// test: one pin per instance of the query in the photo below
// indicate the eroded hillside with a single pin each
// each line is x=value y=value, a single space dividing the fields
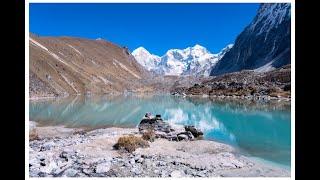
x=61 y=66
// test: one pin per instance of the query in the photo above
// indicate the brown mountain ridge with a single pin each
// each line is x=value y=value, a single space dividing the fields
x=61 y=66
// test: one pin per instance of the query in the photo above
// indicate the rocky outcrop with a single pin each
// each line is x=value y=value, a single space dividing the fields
x=164 y=130
x=265 y=44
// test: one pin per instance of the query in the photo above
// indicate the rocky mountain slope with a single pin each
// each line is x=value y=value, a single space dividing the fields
x=196 y=60
x=263 y=45
x=61 y=66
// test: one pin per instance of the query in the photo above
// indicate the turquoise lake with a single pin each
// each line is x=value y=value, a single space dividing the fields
x=260 y=130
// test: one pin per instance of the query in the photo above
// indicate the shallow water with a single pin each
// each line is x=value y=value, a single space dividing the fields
x=261 y=130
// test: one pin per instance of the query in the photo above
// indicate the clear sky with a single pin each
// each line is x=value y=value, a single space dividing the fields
x=157 y=27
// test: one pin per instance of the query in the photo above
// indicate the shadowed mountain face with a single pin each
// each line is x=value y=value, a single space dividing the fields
x=263 y=45
x=64 y=66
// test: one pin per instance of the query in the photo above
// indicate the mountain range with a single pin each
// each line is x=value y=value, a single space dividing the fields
x=262 y=46
x=196 y=60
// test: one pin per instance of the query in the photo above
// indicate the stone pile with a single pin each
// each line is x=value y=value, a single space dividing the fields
x=164 y=130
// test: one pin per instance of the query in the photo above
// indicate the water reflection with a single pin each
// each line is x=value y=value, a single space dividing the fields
x=259 y=129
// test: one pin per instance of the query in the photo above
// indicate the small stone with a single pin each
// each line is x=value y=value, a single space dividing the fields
x=87 y=171
x=132 y=161
x=177 y=173
x=137 y=157
x=228 y=165
x=156 y=171
x=127 y=164
x=162 y=163
x=42 y=174
x=63 y=155
x=47 y=146
x=136 y=171
x=147 y=163
x=140 y=160
x=164 y=173
x=103 y=167
x=70 y=172
x=188 y=171
x=201 y=174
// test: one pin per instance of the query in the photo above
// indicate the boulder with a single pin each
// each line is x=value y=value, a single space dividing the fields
x=195 y=132
x=183 y=137
x=187 y=135
x=155 y=124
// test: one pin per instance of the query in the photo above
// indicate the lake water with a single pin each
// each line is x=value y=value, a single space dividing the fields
x=260 y=130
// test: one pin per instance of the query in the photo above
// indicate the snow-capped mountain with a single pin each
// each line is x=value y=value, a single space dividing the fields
x=263 y=45
x=196 y=60
x=147 y=60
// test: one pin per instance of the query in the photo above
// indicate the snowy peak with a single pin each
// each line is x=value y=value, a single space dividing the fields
x=197 y=46
x=147 y=60
x=140 y=50
x=195 y=60
x=200 y=49
x=196 y=50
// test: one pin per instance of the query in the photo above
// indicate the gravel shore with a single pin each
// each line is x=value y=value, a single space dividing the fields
x=65 y=152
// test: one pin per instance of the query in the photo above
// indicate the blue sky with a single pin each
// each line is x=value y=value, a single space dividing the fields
x=157 y=27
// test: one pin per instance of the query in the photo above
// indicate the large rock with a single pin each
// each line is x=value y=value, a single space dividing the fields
x=155 y=123
x=195 y=132
x=185 y=136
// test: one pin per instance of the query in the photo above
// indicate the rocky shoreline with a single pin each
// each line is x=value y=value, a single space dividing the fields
x=236 y=97
x=246 y=84
x=64 y=152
